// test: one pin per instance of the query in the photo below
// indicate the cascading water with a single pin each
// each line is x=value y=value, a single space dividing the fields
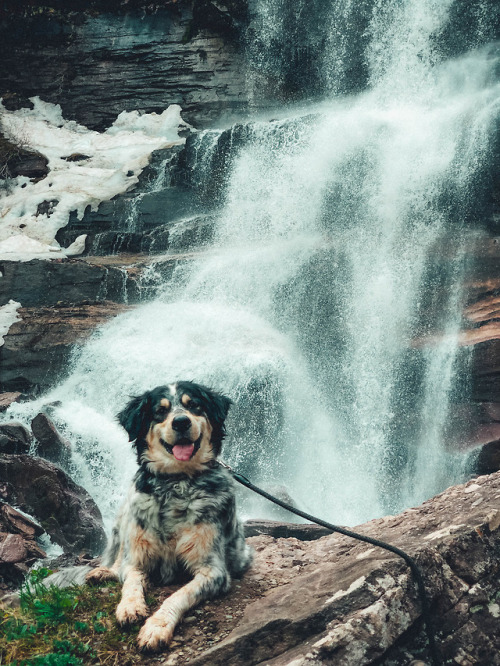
x=340 y=244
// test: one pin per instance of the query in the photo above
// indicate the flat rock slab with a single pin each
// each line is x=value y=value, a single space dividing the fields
x=6 y=399
x=337 y=601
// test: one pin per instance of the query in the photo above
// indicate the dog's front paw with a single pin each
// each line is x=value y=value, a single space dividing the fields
x=154 y=635
x=128 y=612
x=100 y=575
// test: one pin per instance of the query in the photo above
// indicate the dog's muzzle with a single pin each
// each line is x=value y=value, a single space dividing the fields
x=184 y=449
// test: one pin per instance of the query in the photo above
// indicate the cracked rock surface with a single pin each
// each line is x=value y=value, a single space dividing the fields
x=342 y=602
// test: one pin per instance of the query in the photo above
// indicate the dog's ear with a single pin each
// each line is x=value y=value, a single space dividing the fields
x=219 y=407
x=136 y=416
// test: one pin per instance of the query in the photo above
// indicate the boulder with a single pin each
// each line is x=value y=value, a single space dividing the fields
x=488 y=460
x=51 y=445
x=6 y=399
x=14 y=438
x=64 y=509
x=11 y=520
x=18 y=547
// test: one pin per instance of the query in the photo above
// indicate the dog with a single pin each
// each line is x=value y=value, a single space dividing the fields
x=179 y=517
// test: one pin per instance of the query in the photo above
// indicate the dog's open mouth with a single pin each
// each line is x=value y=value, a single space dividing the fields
x=184 y=449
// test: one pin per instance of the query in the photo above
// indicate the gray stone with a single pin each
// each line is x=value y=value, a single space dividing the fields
x=18 y=161
x=277 y=529
x=6 y=399
x=160 y=54
x=14 y=438
x=64 y=510
x=51 y=445
x=42 y=282
x=18 y=547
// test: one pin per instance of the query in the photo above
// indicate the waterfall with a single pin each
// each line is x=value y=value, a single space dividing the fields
x=339 y=248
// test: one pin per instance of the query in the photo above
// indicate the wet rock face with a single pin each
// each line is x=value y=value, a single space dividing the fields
x=65 y=510
x=63 y=302
x=160 y=53
x=50 y=444
x=62 y=281
x=18 y=547
x=37 y=348
x=14 y=438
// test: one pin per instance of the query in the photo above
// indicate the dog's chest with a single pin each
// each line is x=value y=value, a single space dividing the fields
x=171 y=507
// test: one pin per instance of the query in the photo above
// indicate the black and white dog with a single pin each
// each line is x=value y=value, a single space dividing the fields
x=179 y=516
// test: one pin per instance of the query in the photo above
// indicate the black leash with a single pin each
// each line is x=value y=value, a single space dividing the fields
x=417 y=574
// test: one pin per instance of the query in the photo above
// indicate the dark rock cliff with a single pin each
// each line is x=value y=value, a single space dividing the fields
x=97 y=59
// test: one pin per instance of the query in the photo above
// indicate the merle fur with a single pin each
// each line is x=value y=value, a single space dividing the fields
x=163 y=510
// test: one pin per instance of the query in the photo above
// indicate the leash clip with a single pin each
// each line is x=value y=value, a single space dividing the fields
x=228 y=467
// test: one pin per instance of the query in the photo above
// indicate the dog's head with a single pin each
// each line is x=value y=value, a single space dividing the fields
x=177 y=428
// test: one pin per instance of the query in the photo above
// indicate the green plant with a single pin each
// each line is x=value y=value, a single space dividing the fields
x=15 y=629
x=99 y=628
x=51 y=659
x=81 y=627
x=48 y=605
x=78 y=649
x=69 y=627
x=37 y=575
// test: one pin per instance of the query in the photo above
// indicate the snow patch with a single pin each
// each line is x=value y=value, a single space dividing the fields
x=107 y=163
x=8 y=315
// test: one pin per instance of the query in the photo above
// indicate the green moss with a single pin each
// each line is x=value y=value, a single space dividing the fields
x=68 y=627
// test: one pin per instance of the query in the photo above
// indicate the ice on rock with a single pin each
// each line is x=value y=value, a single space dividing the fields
x=114 y=160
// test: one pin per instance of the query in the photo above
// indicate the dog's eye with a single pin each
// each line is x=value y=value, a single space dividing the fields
x=194 y=407
x=161 y=413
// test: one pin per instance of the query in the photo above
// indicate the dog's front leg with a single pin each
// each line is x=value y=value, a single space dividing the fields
x=132 y=607
x=159 y=628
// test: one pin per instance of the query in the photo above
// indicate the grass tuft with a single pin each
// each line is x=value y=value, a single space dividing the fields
x=74 y=626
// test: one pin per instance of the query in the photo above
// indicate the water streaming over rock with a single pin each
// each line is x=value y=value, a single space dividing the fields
x=339 y=245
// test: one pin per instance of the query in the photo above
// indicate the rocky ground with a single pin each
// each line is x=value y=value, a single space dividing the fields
x=309 y=598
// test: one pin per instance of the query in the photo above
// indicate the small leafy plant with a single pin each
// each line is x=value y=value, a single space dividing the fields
x=73 y=626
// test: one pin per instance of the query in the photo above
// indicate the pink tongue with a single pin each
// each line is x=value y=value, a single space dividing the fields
x=183 y=451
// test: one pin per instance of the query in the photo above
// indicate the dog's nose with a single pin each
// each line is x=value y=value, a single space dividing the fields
x=181 y=423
